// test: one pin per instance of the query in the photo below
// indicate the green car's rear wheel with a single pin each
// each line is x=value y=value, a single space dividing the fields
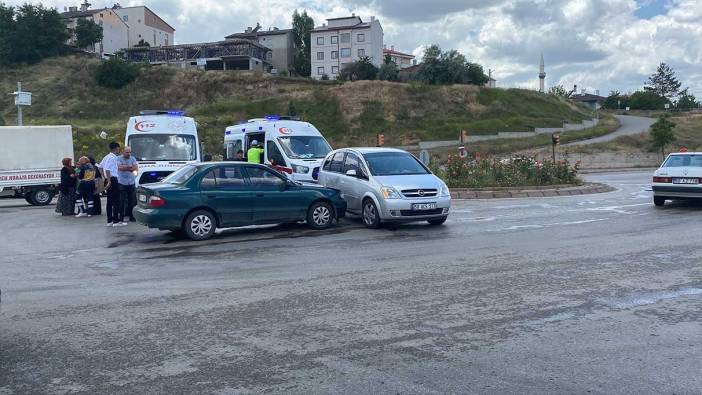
x=200 y=225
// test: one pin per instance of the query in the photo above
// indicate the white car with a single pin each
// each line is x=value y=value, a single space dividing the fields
x=678 y=178
x=386 y=185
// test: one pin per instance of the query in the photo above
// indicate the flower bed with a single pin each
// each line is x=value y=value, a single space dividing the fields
x=515 y=172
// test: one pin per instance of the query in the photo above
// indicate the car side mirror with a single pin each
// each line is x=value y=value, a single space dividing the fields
x=351 y=173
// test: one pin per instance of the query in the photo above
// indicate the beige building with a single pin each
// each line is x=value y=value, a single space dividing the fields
x=279 y=41
x=145 y=25
x=115 y=33
x=344 y=40
x=402 y=60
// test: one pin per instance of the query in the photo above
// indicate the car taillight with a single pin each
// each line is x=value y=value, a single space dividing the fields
x=156 y=201
x=663 y=180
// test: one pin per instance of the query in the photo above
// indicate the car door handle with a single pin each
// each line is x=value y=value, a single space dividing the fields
x=259 y=195
x=211 y=196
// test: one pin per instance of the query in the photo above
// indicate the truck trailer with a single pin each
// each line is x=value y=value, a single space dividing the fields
x=30 y=161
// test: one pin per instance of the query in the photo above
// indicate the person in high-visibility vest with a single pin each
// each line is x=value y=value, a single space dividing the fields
x=255 y=153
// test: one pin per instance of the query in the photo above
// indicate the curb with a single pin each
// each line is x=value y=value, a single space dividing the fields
x=553 y=191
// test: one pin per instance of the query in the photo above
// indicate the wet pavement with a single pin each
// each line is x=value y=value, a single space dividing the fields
x=598 y=293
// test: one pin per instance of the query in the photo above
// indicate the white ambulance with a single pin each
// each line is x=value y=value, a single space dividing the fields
x=162 y=142
x=290 y=146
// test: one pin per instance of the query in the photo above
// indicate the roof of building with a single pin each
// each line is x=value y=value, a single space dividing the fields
x=179 y=46
x=80 y=14
x=587 y=97
x=364 y=25
x=345 y=17
x=398 y=53
x=140 y=6
x=259 y=33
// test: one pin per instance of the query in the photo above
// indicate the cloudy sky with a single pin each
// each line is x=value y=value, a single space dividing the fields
x=596 y=44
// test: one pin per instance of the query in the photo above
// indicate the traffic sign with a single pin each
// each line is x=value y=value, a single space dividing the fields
x=462 y=152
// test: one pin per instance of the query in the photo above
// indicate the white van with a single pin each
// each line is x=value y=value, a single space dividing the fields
x=291 y=146
x=162 y=142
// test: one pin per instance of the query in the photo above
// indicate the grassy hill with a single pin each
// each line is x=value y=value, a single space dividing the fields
x=347 y=113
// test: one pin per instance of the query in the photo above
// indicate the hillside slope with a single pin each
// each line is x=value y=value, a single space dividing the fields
x=347 y=114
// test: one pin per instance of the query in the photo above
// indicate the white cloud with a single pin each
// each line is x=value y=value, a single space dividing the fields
x=597 y=44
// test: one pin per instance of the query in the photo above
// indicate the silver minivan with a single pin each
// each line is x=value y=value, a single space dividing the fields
x=386 y=185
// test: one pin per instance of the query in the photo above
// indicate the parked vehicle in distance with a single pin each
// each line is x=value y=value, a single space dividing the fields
x=386 y=185
x=162 y=142
x=291 y=146
x=199 y=198
x=30 y=161
x=678 y=178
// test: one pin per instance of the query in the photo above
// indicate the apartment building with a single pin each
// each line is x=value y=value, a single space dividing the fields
x=279 y=41
x=115 y=33
x=145 y=25
x=344 y=40
x=402 y=60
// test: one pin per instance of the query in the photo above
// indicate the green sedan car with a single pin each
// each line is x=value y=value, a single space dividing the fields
x=198 y=199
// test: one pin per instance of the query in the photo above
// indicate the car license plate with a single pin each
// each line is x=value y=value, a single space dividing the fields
x=423 y=206
x=686 y=180
x=142 y=198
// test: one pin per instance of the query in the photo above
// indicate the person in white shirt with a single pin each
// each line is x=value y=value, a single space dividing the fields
x=109 y=167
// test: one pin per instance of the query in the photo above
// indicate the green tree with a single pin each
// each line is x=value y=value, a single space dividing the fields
x=88 y=33
x=686 y=100
x=142 y=43
x=362 y=69
x=302 y=26
x=664 y=82
x=388 y=70
x=662 y=133
x=616 y=100
x=449 y=67
x=38 y=33
x=115 y=73
x=647 y=100
x=7 y=32
x=560 y=91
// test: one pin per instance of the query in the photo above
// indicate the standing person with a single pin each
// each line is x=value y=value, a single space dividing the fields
x=86 y=187
x=109 y=168
x=127 y=168
x=255 y=153
x=67 y=189
x=99 y=187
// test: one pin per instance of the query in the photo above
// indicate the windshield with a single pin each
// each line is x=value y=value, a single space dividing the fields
x=181 y=175
x=683 y=161
x=180 y=147
x=305 y=147
x=393 y=164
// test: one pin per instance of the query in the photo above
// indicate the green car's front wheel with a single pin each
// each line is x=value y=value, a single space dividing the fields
x=320 y=215
x=200 y=225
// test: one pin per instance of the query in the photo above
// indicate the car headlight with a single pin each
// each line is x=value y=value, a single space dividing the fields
x=390 y=193
x=301 y=169
x=445 y=191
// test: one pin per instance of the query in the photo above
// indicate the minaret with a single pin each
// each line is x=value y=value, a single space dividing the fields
x=542 y=75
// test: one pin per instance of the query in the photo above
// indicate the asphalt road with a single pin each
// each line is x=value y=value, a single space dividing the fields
x=629 y=125
x=587 y=294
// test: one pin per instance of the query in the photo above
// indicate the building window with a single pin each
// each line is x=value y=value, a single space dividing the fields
x=345 y=38
x=320 y=55
x=345 y=52
x=320 y=40
x=334 y=39
x=125 y=18
x=335 y=55
x=101 y=17
x=335 y=69
x=361 y=38
x=361 y=52
x=320 y=70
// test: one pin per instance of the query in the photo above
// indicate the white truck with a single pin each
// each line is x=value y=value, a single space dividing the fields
x=30 y=161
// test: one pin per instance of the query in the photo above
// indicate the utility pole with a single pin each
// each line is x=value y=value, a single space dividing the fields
x=19 y=107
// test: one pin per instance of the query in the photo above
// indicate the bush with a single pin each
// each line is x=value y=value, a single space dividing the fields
x=515 y=172
x=116 y=73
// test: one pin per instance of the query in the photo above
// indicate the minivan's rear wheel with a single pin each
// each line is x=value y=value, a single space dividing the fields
x=370 y=214
x=320 y=215
x=200 y=225
x=40 y=197
x=659 y=201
